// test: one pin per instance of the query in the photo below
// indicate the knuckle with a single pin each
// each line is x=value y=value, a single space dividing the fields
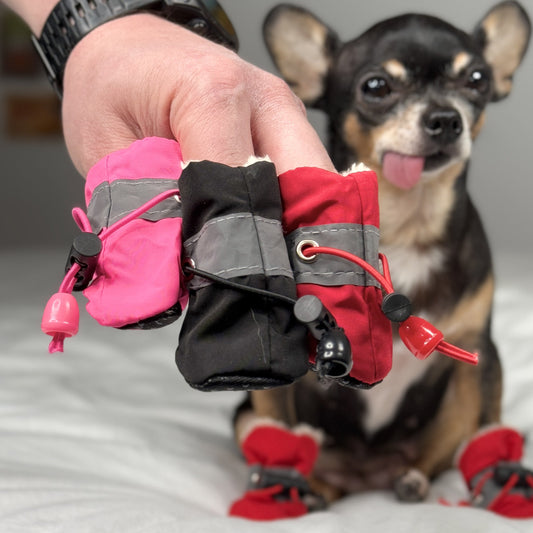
x=221 y=81
x=277 y=94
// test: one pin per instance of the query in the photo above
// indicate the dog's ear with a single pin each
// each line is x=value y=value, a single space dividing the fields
x=504 y=36
x=301 y=47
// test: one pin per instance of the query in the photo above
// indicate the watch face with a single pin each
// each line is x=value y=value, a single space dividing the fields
x=205 y=17
x=222 y=21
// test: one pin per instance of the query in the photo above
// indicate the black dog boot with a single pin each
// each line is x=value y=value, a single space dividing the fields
x=234 y=339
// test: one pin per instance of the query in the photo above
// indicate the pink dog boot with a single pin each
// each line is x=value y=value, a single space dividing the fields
x=280 y=461
x=490 y=464
x=127 y=259
x=138 y=281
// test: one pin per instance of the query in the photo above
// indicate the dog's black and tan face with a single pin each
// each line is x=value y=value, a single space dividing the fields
x=408 y=96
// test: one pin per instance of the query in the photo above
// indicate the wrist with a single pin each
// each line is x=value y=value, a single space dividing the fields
x=71 y=21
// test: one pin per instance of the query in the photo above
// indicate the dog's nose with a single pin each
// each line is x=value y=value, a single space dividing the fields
x=443 y=124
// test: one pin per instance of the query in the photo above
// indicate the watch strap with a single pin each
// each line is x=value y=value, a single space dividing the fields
x=71 y=20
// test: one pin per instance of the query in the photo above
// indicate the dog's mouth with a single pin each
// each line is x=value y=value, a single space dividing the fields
x=405 y=171
x=435 y=161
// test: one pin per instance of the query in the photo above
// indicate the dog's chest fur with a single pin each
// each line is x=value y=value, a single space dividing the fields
x=413 y=268
x=412 y=221
x=382 y=402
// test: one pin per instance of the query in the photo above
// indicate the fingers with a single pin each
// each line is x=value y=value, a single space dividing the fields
x=214 y=123
x=218 y=106
x=214 y=139
x=249 y=113
x=93 y=139
x=280 y=129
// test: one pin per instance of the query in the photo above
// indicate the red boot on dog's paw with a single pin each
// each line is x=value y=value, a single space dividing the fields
x=280 y=461
x=271 y=503
x=491 y=467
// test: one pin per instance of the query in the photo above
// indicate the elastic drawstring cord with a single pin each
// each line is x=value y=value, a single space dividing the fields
x=383 y=279
x=418 y=335
x=106 y=232
x=61 y=315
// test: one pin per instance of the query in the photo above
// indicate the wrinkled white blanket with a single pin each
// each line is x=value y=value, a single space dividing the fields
x=108 y=438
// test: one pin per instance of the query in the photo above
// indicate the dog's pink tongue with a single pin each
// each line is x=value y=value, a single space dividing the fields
x=404 y=171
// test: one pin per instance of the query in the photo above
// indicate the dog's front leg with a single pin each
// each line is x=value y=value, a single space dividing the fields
x=456 y=421
x=473 y=396
x=277 y=404
x=270 y=406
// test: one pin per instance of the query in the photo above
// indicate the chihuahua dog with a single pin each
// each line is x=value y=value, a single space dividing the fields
x=407 y=98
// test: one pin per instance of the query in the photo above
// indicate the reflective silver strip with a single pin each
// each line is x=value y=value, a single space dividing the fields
x=240 y=244
x=329 y=270
x=112 y=201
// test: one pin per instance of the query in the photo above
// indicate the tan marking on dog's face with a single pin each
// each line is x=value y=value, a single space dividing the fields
x=416 y=217
x=460 y=62
x=402 y=133
x=478 y=125
x=469 y=317
x=395 y=69
x=362 y=142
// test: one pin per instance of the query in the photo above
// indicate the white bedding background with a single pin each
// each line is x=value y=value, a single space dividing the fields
x=108 y=437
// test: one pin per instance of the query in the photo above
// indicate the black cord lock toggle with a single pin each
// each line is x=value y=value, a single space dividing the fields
x=396 y=307
x=505 y=470
x=333 y=352
x=287 y=479
x=85 y=251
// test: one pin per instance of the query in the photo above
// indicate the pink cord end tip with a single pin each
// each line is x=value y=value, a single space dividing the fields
x=57 y=343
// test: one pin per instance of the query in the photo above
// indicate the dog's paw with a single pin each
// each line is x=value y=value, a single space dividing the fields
x=413 y=486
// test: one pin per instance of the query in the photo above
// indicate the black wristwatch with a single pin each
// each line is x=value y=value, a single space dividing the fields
x=71 y=20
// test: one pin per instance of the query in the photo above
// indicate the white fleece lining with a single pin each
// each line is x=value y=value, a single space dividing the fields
x=356 y=167
x=249 y=162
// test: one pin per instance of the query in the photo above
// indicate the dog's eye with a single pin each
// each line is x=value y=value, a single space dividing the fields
x=376 y=88
x=478 y=81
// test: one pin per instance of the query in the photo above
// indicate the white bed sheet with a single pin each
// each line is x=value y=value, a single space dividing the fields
x=108 y=437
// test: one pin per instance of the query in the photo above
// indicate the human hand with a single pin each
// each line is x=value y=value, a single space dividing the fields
x=142 y=76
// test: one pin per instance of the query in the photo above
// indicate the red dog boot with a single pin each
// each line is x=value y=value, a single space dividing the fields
x=491 y=467
x=324 y=209
x=280 y=461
